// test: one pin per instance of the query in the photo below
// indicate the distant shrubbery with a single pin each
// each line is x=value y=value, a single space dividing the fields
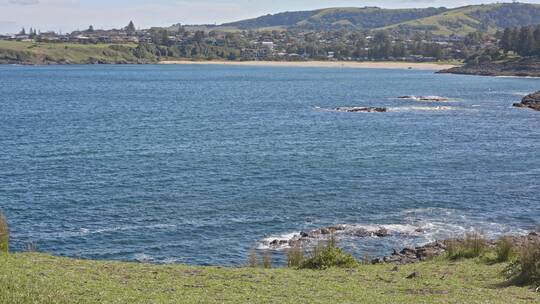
x=253 y=259
x=523 y=259
x=328 y=256
x=4 y=234
x=472 y=246
x=526 y=269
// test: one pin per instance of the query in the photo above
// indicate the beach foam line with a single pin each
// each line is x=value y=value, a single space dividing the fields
x=421 y=109
x=321 y=64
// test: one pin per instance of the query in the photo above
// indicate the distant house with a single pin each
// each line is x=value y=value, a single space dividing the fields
x=269 y=45
x=49 y=36
x=22 y=37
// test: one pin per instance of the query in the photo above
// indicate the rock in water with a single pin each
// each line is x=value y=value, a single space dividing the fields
x=360 y=109
x=531 y=101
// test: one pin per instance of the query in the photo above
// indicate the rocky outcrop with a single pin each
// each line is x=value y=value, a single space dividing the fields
x=531 y=101
x=360 y=109
x=421 y=253
x=413 y=254
x=522 y=68
x=312 y=237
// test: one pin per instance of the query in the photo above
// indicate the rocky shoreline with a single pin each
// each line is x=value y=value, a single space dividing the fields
x=422 y=253
x=531 y=101
x=521 y=68
x=406 y=255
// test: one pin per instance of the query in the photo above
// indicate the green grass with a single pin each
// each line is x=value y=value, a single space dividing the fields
x=40 y=278
x=39 y=53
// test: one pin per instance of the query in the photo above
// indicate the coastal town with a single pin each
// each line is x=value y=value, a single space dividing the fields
x=343 y=45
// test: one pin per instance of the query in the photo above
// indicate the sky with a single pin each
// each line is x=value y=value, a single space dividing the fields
x=69 y=15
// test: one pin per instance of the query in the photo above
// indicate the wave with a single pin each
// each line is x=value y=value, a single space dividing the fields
x=86 y=231
x=420 y=227
x=401 y=109
x=426 y=98
x=143 y=258
x=421 y=109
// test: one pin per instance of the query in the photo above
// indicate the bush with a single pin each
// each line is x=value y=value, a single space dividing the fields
x=329 y=255
x=4 y=234
x=267 y=259
x=504 y=250
x=295 y=256
x=526 y=270
x=253 y=260
x=472 y=246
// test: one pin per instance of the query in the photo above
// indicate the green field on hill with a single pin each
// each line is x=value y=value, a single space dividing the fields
x=69 y=53
x=40 y=278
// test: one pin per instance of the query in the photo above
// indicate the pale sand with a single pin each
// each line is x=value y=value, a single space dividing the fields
x=325 y=64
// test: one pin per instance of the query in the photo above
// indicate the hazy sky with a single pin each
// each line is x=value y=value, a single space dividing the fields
x=68 y=15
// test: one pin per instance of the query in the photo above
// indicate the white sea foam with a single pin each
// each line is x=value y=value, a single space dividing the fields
x=426 y=98
x=421 y=109
x=143 y=258
x=422 y=226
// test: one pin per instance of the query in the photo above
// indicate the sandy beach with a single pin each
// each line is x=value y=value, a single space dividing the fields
x=325 y=64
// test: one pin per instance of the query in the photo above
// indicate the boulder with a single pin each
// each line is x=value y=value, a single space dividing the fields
x=531 y=101
x=382 y=232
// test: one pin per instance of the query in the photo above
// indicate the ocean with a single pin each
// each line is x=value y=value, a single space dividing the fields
x=198 y=164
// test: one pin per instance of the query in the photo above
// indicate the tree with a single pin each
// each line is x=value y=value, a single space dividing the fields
x=22 y=32
x=90 y=29
x=506 y=41
x=130 y=28
x=537 y=41
x=383 y=45
x=526 y=41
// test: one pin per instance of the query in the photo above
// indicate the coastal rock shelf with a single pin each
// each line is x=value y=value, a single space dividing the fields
x=307 y=238
x=531 y=101
x=422 y=253
x=520 y=68
x=361 y=109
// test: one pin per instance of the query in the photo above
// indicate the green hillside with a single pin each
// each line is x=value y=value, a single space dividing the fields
x=485 y=18
x=39 y=278
x=68 y=53
x=366 y=17
x=439 y=21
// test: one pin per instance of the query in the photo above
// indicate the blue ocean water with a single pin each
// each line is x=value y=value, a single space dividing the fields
x=197 y=164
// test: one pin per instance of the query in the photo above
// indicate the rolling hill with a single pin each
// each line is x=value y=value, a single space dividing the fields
x=439 y=21
x=366 y=17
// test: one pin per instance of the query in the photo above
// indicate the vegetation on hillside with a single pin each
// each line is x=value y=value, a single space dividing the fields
x=332 y=18
x=38 y=278
x=438 y=21
x=68 y=53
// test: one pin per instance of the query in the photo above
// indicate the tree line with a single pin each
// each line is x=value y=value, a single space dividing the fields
x=524 y=41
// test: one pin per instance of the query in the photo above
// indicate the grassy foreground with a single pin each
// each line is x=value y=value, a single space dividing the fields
x=40 y=278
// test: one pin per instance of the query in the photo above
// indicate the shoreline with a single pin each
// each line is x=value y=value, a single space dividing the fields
x=321 y=64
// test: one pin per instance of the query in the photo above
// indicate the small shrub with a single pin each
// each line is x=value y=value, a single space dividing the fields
x=366 y=260
x=267 y=259
x=32 y=247
x=295 y=256
x=526 y=269
x=472 y=246
x=4 y=234
x=329 y=255
x=504 y=250
x=253 y=260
